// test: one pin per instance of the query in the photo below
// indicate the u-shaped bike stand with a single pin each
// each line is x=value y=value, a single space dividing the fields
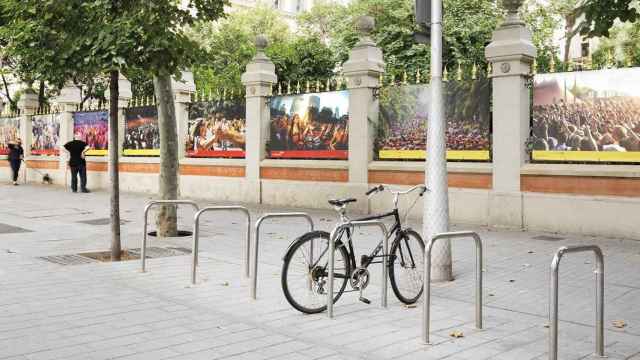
x=426 y=320
x=256 y=242
x=553 y=300
x=196 y=236
x=332 y=245
x=143 y=248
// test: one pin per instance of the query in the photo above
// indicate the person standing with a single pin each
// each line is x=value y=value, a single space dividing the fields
x=77 y=150
x=16 y=155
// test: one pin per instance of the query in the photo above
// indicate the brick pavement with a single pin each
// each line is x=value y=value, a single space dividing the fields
x=112 y=311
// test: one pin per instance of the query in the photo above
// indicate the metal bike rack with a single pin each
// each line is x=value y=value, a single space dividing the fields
x=553 y=301
x=426 y=319
x=196 y=236
x=143 y=248
x=256 y=242
x=332 y=245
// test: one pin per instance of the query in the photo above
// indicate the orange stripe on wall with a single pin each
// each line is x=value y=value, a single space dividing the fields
x=43 y=164
x=200 y=170
x=459 y=180
x=96 y=166
x=139 y=168
x=581 y=185
x=303 y=174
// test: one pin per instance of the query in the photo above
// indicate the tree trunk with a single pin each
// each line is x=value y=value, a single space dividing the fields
x=167 y=221
x=569 y=34
x=114 y=177
x=41 y=99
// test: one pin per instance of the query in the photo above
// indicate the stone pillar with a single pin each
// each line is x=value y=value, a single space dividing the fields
x=362 y=70
x=67 y=103
x=182 y=90
x=28 y=106
x=511 y=53
x=258 y=80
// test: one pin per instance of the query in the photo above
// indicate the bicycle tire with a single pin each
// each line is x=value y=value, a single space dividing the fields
x=341 y=254
x=395 y=260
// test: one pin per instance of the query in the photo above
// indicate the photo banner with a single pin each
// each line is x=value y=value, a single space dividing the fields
x=587 y=116
x=45 y=130
x=9 y=131
x=142 y=132
x=217 y=129
x=309 y=126
x=404 y=112
x=92 y=128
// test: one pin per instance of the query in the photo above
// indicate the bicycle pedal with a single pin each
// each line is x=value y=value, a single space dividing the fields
x=365 y=300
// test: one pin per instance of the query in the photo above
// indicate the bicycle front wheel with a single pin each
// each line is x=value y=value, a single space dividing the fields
x=406 y=266
x=305 y=272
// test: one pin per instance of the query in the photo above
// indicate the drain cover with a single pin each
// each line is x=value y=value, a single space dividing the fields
x=158 y=252
x=8 y=229
x=547 y=238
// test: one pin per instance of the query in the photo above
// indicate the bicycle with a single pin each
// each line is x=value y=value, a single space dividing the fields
x=304 y=275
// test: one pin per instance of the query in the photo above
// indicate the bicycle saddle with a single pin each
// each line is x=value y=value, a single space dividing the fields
x=341 y=202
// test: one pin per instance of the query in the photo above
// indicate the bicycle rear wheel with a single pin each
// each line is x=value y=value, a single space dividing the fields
x=305 y=279
x=406 y=266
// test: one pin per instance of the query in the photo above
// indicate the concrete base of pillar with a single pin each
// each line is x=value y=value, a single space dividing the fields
x=505 y=210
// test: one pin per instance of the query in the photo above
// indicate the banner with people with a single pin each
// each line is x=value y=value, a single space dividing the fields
x=9 y=131
x=142 y=132
x=404 y=112
x=217 y=129
x=587 y=116
x=45 y=131
x=309 y=126
x=92 y=128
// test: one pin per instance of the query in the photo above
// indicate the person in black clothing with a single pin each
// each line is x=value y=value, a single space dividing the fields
x=16 y=155
x=77 y=150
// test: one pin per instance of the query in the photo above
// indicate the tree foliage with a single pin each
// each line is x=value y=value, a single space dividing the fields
x=230 y=47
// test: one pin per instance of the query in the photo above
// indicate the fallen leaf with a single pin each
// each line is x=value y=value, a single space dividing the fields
x=530 y=252
x=226 y=283
x=457 y=334
x=511 y=280
x=546 y=325
x=619 y=324
x=490 y=294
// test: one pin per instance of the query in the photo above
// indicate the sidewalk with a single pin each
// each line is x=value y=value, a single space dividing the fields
x=113 y=311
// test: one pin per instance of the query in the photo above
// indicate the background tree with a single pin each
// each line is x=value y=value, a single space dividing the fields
x=230 y=46
x=61 y=40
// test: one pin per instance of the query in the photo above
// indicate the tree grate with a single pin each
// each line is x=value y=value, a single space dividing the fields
x=547 y=238
x=104 y=256
x=9 y=229
x=101 y=221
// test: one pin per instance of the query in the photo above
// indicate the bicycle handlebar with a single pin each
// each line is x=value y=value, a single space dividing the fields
x=397 y=192
x=375 y=189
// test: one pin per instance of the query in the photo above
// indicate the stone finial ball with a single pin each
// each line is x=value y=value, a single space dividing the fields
x=261 y=42
x=365 y=24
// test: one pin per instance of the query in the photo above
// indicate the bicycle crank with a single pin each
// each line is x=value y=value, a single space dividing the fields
x=359 y=280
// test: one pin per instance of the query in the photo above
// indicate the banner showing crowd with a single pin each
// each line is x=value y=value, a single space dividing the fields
x=404 y=110
x=309 y=126
x=587 y=116
x=142 y=133
x=9 y=131
x=91 y=127
x=45 y=130
x=217 y=129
